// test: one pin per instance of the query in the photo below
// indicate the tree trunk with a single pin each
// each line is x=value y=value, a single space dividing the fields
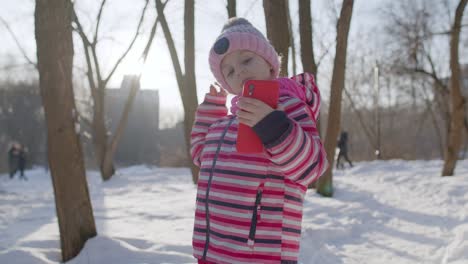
x=306 y=37
x=55 y=62
x=291 y=42
x=458 y=102
x=100 y=139
x=307 y=45
x=107 y=165
x=276 y=17
x=190 y=88
x=325 y=184
x=231 y=8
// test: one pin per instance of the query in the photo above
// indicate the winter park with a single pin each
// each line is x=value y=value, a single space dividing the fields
x=202 y=132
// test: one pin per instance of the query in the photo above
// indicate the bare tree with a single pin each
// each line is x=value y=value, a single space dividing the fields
x=325 y=184
x=276 y=17
x=55 y=62
x=412 y=27
x=105 y=148
x=306 y=36
x=370 y=135
x=231 y=8
x=415 y=26
x=186 y=82
x=307 y=44
x=291 y=41
x=457 y=100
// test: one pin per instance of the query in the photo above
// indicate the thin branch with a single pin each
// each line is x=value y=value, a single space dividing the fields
x=152 y=35
x=369 y=133
x=446 y=32
x=96 y=65
x=13 y=66
x=131 y=44
x=250 y=8
x=323 y=55
x=172 y=49
x=22 y=50
x=86 y=46
x=98 y=21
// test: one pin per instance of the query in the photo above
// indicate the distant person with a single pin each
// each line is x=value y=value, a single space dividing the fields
x=249 y=205
x=13 y=159
x=343 y=153
x=22 y=162
x=17 y=160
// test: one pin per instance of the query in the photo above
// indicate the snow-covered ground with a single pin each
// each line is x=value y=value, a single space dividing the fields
x=382 y=212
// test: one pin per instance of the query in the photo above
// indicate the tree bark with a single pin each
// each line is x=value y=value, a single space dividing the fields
x=276 y=17
x=307 y=45
x=291 y=41
x=190 y=88
x=55 y=62
x=458 y=102
x=306 y=37
x=231 y=8
x=325 y=184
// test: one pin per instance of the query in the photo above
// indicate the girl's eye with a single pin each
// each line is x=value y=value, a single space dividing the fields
x=247 y=61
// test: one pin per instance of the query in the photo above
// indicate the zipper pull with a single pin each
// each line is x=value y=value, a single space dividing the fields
x=250 y=243
x=259 y=207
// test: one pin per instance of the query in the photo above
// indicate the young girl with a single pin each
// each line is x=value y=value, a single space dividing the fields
x=249 y=206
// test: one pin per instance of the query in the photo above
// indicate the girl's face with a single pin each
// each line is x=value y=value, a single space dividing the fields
x=242 y=65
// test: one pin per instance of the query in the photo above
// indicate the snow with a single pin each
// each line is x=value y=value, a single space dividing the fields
x=382 y=212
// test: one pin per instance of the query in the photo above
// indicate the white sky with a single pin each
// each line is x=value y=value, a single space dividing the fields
x=120 y=18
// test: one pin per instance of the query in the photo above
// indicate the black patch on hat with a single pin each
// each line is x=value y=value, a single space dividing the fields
x=221 y=46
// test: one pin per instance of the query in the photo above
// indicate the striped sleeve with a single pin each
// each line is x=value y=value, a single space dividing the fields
x=299 y=151
x=212 y=109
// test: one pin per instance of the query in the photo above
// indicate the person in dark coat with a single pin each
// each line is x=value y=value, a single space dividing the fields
x=17 y=160
x=13 y=159
x=343 y=146
x=22 y=162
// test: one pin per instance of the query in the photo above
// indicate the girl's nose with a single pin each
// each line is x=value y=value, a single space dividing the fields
x=241 y=71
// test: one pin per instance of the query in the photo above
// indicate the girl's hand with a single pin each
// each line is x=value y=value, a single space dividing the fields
x=251 y=111
x=214 y=90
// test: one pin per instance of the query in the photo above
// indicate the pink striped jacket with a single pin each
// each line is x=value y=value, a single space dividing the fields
x=249 y=206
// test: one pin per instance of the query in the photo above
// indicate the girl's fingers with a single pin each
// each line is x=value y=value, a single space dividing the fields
x=244 y=114
x=245 y=121
x=223 y=92
x=214 y=88
x=247 y=105
x=251 y=101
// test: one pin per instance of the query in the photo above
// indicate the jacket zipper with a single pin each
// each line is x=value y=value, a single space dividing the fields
x=255 y=216
x=207 y=212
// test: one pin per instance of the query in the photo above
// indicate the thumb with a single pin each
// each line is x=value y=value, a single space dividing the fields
x=223 y=92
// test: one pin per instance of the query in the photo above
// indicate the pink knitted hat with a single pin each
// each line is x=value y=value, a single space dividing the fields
x=239 y=34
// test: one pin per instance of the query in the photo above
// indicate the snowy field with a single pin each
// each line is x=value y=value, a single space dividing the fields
x=382 y=212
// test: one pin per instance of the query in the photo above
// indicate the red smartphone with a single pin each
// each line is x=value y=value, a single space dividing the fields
x=263 y=90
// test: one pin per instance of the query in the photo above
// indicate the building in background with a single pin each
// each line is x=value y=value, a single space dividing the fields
x=140 y=141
